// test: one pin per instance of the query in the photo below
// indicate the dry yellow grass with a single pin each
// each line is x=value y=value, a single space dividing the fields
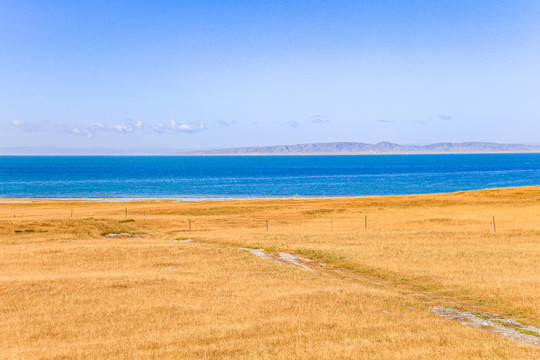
x=67 y=292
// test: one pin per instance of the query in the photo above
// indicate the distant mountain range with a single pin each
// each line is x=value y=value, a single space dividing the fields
x=359 y=148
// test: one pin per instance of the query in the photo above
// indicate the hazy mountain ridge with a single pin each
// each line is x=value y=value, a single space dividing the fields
x=342 y=148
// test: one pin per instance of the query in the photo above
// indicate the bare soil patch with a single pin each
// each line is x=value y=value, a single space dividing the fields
x=121 y=235
x=494 y=323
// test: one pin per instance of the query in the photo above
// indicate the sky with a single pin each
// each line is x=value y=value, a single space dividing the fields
x=213 y=74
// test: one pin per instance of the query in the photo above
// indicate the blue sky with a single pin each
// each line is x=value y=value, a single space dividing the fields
x=201 y=74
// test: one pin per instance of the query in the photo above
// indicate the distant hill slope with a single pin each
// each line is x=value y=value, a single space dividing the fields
x=352 y=148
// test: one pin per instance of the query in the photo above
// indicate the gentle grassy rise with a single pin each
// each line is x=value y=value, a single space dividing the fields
x=68 y=292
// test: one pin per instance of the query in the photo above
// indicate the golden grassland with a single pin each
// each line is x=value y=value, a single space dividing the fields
x=67 y=292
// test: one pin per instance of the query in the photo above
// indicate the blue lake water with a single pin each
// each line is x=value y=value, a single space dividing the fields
x=261 y=176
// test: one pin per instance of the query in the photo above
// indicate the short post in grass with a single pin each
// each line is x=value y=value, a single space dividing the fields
x=331 y=224
x=189 y=224
x=125 y=213
x=494 y=228
x=71 y=212
x=266 y=225
x=144 y=215
x=365 y=221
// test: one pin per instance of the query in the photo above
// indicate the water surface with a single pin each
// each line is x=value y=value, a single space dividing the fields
x=261 y=176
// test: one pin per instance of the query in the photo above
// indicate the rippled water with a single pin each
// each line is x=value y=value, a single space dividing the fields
x=261 y=176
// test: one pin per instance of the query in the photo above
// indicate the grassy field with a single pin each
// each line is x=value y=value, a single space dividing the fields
x=66 y=291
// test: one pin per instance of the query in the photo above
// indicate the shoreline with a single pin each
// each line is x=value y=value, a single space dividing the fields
x=239 y=198
x=274 y=154
x=358 y=154
x=179 y=198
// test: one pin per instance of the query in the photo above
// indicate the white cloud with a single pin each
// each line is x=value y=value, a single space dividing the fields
x=319 y=119
x=121 y=128
x=294 y=124
x=91 y=130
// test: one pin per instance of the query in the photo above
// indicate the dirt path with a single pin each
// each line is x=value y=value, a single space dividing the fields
x=295 y=260
x=490 y=322
x=493 y=323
